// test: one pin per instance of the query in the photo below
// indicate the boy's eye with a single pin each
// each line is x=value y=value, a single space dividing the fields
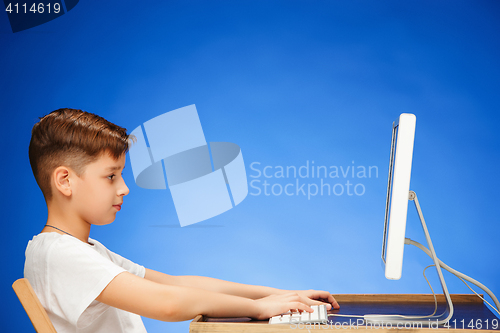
x=110 y=177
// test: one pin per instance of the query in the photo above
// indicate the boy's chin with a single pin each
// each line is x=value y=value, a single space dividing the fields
x=104 y=222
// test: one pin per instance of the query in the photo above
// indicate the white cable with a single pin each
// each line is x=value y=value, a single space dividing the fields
x=481 y=297
x=433 y=293
x=344 y=315
x=458 y=274
x=401 y=316
x=461 y=276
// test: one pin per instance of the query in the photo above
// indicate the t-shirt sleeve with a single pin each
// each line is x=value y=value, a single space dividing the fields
x=77 y=274
x=125 y=263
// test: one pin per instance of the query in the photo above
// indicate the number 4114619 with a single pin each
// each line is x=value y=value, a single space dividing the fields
x=473 y=324
x=35 y=8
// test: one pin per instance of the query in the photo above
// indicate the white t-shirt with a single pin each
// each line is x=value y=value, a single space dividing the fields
x=67 y=275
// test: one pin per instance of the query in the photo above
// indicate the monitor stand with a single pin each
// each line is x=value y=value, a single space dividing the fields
x=424 y=321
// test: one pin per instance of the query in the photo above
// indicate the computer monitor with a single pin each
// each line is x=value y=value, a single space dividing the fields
x=394 y=238
x=398 y=187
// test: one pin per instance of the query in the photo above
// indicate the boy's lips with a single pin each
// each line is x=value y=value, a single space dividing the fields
x=118 y=207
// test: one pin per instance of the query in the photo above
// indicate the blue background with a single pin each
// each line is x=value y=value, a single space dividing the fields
x=290 y=82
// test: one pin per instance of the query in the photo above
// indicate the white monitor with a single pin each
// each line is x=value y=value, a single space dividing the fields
x=398 y=187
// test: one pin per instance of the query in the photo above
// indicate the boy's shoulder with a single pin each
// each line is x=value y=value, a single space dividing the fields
x=48 y=253
x=51 y=250
x=67 y=275
x=52 y=241
x=46 y=242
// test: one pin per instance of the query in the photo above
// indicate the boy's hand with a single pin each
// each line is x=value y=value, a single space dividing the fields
x=274 y=305
x=316 y=297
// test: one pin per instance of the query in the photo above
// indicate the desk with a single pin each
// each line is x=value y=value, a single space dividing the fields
x=470 y=312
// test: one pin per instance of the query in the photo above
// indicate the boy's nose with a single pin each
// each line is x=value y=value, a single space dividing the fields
x=123 y=189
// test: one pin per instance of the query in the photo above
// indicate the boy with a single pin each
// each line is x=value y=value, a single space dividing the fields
x=77 y=159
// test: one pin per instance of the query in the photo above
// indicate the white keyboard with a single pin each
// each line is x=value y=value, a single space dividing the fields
x=318 y=316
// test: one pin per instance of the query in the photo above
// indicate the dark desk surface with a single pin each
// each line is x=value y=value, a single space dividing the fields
x=469 y=313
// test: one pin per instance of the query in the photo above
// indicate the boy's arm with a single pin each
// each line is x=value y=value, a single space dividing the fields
x=176 y=303
x=216 y=285
x=236 y=289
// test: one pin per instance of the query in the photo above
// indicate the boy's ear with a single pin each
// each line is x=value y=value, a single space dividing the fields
x=61 y=180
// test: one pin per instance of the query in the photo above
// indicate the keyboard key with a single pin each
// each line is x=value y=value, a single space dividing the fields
x=318 y=316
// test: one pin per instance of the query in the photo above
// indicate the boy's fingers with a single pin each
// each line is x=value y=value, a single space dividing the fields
x=328 y=305
x=311 y=297
x=334 y=302
x=300 y=306
x=324 y=295
x=301 y=300
x=296 y=297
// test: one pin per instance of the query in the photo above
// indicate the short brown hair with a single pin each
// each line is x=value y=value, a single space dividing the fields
x=72 y=138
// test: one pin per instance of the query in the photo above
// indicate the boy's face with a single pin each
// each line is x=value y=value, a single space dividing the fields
x=98 y=193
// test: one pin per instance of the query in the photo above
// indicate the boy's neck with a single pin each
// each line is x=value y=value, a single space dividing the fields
x=68 y=224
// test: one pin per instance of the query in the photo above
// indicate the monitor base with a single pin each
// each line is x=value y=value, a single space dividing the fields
x=426 y=321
